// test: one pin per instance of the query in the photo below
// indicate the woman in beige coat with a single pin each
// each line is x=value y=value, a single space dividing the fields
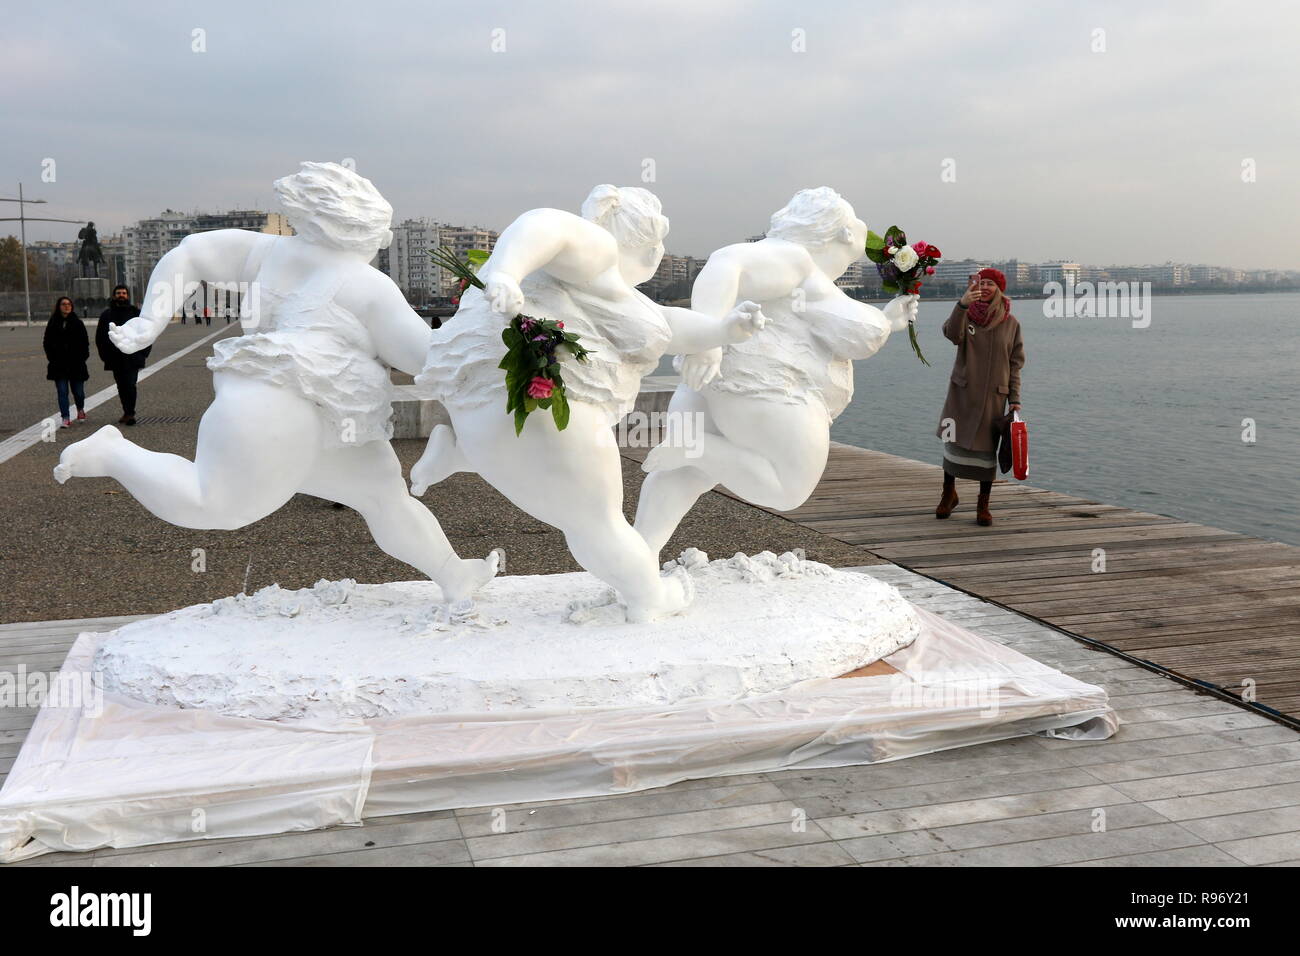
x=985 y=380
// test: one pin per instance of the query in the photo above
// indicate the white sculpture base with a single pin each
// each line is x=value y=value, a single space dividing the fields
x=114 y=771
x=343 y=650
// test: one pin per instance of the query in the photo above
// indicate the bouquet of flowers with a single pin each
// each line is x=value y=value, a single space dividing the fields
x=533 y=378
x=901 y=266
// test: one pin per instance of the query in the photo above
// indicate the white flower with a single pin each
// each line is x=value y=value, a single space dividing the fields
x=905 y=258
x=891 y=250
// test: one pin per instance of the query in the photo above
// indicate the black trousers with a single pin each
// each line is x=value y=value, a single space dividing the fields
x=126 y=390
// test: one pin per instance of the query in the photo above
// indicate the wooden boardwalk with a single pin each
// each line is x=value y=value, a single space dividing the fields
x=1216 y=607
x=1189 y=780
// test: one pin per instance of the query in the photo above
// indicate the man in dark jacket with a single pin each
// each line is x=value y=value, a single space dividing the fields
x=125 y=368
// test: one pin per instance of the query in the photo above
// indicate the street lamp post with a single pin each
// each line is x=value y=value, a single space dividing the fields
x=22 y=219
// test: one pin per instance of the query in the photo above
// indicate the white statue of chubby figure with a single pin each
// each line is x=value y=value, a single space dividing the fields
x=582 y=270
x=764 y=406
x=303 y=398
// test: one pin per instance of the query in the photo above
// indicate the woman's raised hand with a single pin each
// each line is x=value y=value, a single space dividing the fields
x=503 y=295
x=972 y=292
x=744 y=320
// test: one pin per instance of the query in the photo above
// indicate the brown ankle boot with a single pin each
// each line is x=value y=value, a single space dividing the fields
x=982 y=514
x=947 y=502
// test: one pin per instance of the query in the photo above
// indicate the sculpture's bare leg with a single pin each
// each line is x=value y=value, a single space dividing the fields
x=256 y=444
x=572 y=480
x=442 y=457
x=767 y=453
x=368 y=479
x=667 y=496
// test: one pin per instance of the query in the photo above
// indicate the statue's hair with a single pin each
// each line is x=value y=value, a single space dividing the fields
x=332 y=205
x=632 y=214
x=813 y=217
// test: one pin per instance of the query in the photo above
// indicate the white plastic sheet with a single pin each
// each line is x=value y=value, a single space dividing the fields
x=136 y=774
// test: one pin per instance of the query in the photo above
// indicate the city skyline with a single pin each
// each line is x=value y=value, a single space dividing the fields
x=1096 y=135
x=460 y=243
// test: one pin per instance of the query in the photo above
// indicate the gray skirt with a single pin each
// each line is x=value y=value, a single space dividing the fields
x=971 y=465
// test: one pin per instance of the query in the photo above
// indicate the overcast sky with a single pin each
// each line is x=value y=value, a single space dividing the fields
x=1130 y=155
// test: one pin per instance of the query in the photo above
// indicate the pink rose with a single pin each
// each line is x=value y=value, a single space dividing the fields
x=540 y=387
x=920 y=247
x=929 y=270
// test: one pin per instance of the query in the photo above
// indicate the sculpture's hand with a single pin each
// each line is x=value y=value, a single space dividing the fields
x=744 y=320
x=901 y=310
x=503 y=295
x=701 y=368
x=133 y=335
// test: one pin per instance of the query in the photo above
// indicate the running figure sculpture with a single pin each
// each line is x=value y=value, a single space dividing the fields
x=765 y=405
x=582 y=271
x=303 y=398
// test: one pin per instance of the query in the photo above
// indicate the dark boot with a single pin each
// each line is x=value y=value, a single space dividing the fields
x=982 y=514
x=948 y=501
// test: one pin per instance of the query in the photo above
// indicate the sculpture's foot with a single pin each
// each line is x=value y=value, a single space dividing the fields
x=604 y=608
x=665 y=457
x=88 y=458
x=441 y=458
x=677 y=591
x=465 y=577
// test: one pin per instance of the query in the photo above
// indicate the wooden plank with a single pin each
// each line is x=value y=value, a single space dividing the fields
x=1211 y=604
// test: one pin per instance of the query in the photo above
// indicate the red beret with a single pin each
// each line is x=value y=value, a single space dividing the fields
x=996 y=275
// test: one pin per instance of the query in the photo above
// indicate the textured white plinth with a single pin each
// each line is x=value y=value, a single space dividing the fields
x=340 y=649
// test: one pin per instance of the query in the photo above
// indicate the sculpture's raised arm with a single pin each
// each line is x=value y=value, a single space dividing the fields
x=566 y=246
x=219 y=256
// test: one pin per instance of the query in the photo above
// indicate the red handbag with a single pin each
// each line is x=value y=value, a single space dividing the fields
x=1019 y=447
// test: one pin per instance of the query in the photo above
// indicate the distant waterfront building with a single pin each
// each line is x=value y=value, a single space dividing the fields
x=1066 y=273
x=956 y=270
x=149 y=240
x=674 y=276
x=1167 y=275
x=855 y=276
x=407 y=260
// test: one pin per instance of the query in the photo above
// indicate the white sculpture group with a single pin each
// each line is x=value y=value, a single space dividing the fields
x=303 y=397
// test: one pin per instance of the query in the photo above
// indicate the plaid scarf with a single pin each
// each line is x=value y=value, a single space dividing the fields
x=982 y=313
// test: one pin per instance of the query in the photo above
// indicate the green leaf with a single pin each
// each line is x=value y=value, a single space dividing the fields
x=874 y=241
x=876 y=255
x=477 y=257
x=560 y=408
x=521 y=416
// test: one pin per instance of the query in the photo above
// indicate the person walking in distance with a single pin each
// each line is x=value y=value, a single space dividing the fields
x=985 y=380
x=125 y=367
x=66 y=350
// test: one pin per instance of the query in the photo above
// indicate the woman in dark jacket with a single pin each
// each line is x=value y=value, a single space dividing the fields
x=985 y=380
x=66 y=349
